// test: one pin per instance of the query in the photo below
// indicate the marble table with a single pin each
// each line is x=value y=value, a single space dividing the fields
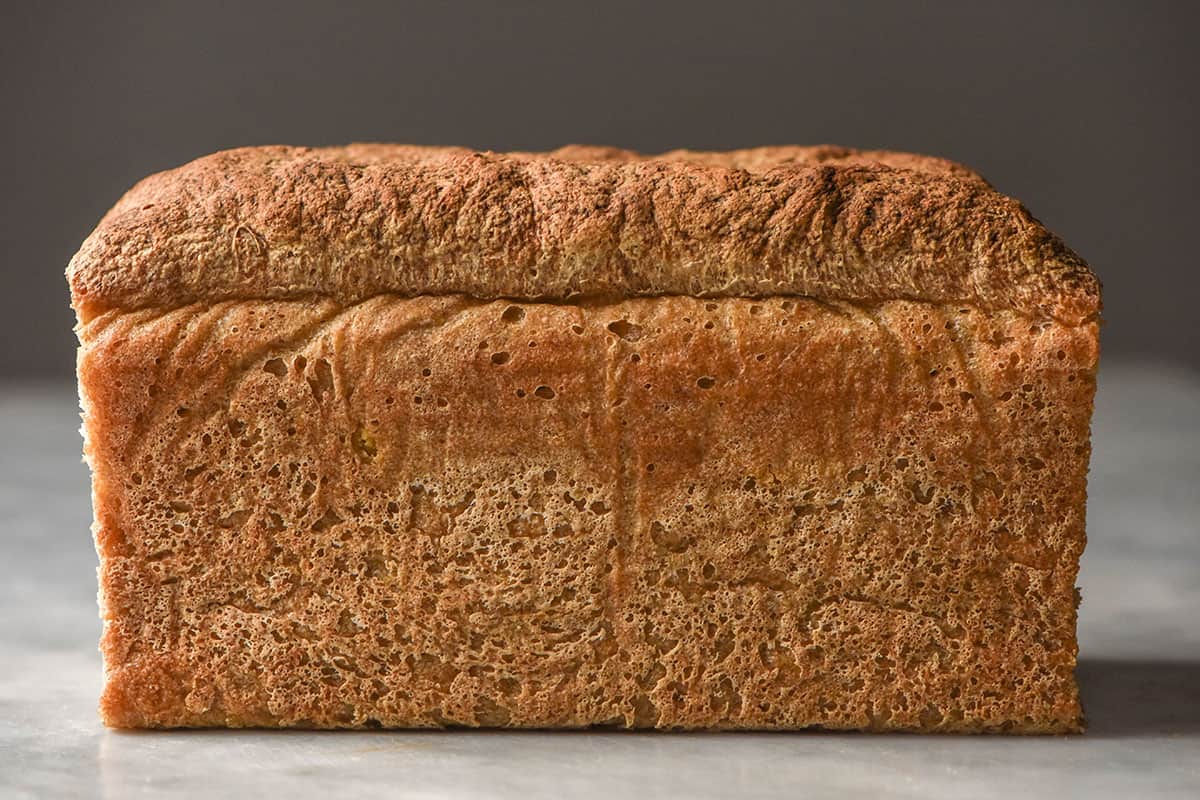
x=1139 y=666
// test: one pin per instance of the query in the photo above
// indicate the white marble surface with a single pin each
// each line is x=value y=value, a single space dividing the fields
x=1140 y=666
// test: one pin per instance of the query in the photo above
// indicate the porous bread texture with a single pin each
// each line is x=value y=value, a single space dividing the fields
x=673 y=512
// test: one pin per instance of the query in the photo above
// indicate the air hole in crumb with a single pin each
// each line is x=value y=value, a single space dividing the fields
x=513 y=314
x=635 y=358
x=708 y=326
x=425 y=373
x=549 y=476
x=577 y=329
x=649 y=468
x=706 y=382
x=544 y=392
x=322 y=381
x=281 y=405
x=327 y=521
x=442 y=402
x=761 y=357
x=275 y=367
x=500 y=358
x=756 y=309
x=626 y=330
x=236 y=427
x=922 y=495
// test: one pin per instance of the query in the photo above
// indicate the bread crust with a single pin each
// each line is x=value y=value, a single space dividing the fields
x=353 y=222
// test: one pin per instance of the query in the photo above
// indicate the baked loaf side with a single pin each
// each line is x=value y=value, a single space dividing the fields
x=334 y=488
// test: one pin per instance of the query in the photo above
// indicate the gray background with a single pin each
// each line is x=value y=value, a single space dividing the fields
x=1085 y=111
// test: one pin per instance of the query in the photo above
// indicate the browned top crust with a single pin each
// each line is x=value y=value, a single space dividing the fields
x=579 y=223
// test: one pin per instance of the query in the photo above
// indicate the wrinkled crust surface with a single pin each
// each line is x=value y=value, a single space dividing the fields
x=579 y=223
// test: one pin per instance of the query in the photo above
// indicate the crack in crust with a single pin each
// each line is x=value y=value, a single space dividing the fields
x=349 y=223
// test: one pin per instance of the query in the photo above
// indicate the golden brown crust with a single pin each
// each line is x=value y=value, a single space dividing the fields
x=669 y=512
x=593 y=223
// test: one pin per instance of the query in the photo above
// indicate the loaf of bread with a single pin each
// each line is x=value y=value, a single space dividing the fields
x=389 y=436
